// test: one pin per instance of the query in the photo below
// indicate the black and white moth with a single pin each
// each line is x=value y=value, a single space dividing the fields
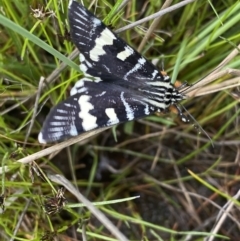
x=126 y=85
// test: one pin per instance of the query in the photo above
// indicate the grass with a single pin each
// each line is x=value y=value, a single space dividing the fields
x=188 y=189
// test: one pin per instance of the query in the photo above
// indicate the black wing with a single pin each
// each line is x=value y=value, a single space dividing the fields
x=93 y=105
x=103 y=54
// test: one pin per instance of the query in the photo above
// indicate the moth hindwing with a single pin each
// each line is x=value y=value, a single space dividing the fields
x=127 y=86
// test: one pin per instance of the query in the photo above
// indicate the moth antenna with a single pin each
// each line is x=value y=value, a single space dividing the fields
x=184 y=87
x=185 y=119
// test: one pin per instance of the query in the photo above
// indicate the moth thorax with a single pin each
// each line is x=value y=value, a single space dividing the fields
x=173 y=96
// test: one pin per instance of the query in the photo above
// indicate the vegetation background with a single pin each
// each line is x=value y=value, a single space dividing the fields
x=187 y=189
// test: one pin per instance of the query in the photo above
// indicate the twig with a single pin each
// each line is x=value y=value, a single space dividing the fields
x=60 y=146
x=34 y=111
x=155 y=15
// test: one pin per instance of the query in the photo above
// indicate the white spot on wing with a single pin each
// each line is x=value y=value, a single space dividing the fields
x=57 y=123
x=155 y=72
x=73 y=131
x=56 y=117
x=77 y=91
x=79 y=86
x=70 y=3
x=101 y=94
x=81 y=9
x=128 y=109
x=160 y=84
x=88 y=120
x=151 y=93
x=146 y=110
x=40 y=138
x=106 y=38
x=82 y=43
x=88 y=64
x=81 y=57
x=110 y=112
x=166 y=78
x=69 y=105
x=96 y=22
x=83 y=67
x=56 y=130
x=62 y=111
x=140 y=63
x=157 y=104
x=108 y=70
x=57 y=135
x=97 y=79
x=82 y=30
x=125 y=53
